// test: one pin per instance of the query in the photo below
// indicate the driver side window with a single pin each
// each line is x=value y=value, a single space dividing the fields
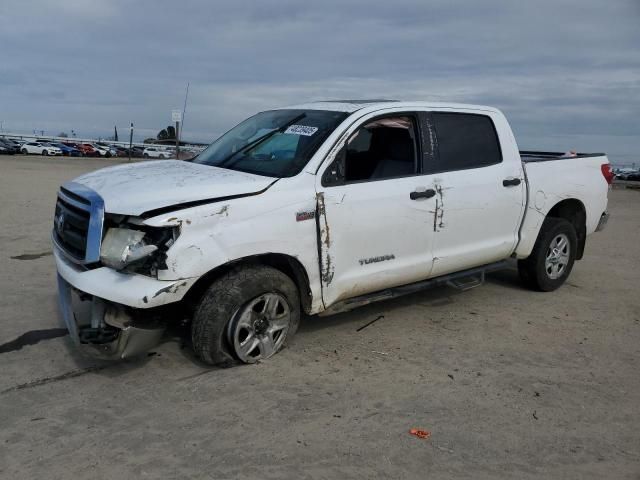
x=383 y=148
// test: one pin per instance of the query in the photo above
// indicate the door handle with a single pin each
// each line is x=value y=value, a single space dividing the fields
x=426 y=194
x=510 y=182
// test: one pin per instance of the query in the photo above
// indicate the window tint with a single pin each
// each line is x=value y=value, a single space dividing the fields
x=383 y=148
x=464 y=141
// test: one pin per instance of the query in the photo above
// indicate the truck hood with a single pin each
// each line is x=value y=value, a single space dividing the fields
x=140 y=187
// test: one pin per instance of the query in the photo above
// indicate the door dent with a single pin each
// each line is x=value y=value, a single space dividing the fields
x=324 y=241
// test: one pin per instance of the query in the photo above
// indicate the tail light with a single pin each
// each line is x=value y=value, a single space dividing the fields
x=608 y=175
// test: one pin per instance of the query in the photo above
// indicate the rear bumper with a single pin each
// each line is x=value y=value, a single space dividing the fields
x=604 y=218
x=103 y=329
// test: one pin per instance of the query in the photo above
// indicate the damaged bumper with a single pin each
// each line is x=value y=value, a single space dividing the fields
x=136 y=291
x=104 y=329
x=106 y=312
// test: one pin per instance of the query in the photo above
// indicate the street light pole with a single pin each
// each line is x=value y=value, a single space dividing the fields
x=130 y=140
x=177 y=141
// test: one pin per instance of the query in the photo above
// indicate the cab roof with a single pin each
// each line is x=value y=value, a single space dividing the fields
x=350 y=106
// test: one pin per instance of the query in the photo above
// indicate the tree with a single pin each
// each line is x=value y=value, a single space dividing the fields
x=168 y=133
x=63 y=135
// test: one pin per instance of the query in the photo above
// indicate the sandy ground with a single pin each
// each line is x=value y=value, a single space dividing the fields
x=510 y=383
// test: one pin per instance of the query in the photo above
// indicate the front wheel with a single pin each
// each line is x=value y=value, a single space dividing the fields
x=45 y=153
x=247 y=315
x=552 y=257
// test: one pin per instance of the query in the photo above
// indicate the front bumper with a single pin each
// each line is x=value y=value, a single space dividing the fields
x=132 y=290
x=103 y=329
x=107 y=312
x=604 y=218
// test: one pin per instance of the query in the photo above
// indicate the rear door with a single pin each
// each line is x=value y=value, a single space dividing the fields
x=480 y=191
x=374 y=215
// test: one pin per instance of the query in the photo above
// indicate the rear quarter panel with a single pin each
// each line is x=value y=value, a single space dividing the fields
x=550 y=182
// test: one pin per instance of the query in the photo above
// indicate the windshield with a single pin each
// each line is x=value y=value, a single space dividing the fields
x=277 y=143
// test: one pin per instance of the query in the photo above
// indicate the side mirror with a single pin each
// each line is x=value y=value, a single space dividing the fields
x=335 y=174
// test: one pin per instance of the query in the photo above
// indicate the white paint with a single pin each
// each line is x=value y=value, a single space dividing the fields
x=477 y=219
x=135 y=188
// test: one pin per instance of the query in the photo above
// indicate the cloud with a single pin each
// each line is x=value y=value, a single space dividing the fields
x=561 y=71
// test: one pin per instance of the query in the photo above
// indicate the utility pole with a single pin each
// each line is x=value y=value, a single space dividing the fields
x=177 y=141
x=130 y=140
x=176 y=116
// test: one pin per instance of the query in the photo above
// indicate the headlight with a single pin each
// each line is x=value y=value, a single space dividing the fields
x=123 y=246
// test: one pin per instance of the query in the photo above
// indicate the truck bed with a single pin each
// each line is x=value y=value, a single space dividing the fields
x=533 y=156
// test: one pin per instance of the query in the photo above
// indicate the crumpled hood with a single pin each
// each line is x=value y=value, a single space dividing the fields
x=136 y=188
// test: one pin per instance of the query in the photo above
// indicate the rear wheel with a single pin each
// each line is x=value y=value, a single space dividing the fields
x=552 y=258
x=24 y=151
x=247 y=315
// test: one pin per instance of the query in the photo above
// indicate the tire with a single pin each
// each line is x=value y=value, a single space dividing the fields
x=146 y=155
x=44 y=152
x=25 y=151
x=221 y=316
x=538 y=272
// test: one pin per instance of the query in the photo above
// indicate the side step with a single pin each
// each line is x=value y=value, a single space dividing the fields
x=467 y=283
x=463 y=280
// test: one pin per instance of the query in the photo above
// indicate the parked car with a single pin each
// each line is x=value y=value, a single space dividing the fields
x=318 y=209
x=121 y=151
x=110 y=150
x=87 y=149
x=67 y=150
x=6 y=150
x=100 y=150
x=9 y=146
x=137 y=152
x=40 y=149
x=626 y=173
x=156 y=152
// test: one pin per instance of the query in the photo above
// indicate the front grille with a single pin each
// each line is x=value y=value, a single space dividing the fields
x=77 y=225
x=72 y=228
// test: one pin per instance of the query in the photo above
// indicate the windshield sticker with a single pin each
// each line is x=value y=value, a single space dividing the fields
x=301 y=130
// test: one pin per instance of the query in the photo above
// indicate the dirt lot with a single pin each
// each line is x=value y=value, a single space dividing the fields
x=511 y=383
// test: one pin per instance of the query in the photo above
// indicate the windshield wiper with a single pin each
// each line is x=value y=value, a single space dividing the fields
x=263 y=138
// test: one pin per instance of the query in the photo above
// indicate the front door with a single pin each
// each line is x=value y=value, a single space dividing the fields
x=375 y=214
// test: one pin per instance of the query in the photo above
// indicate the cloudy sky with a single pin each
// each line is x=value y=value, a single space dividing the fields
x=565 y=72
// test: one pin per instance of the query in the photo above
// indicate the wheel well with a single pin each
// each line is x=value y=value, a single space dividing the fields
x=573 y=210
x=287 y=264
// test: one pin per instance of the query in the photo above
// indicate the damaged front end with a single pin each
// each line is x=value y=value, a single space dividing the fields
x=107 y=330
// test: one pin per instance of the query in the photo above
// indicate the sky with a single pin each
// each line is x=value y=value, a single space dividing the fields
x=565 y=72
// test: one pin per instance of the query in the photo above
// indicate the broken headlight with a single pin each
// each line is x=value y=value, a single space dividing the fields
x=140 y=251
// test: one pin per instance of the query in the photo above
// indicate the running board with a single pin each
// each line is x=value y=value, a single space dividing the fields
x=463 y=280
x=467 y=283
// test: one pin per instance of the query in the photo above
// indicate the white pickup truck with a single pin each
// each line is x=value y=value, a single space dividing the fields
x=316 y=208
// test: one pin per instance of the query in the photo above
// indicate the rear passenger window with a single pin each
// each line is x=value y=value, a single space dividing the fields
x=463 y=141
